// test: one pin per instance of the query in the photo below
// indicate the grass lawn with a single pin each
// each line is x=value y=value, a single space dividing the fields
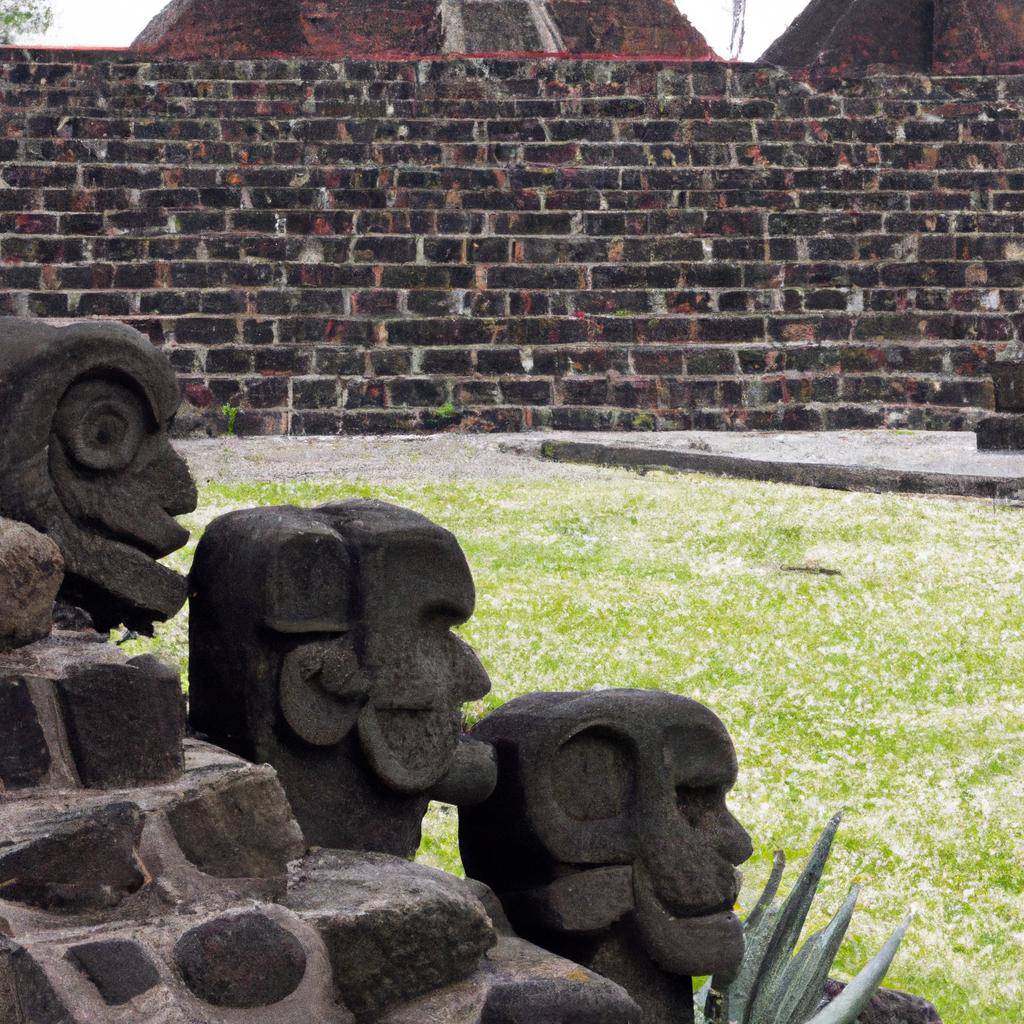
x=892 y=689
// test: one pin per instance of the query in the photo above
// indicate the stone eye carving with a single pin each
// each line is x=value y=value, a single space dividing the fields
x=594 y=775
x=321 y=643
x=608 y=838
x=86 y=459
x=101 y=424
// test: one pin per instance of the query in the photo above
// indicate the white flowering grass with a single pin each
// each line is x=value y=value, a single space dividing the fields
x=893 y=690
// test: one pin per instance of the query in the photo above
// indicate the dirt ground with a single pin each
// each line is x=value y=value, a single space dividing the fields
x=465 y=457
x=436 y=457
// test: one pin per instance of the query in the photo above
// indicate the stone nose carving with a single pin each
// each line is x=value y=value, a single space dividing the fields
x=86 y=459
x=321 y=643
x=609 y=829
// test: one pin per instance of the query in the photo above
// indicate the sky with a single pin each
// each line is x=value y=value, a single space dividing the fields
x=118 y=22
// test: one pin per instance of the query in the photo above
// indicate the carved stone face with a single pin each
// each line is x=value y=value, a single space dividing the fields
x=321 y=642
x=632 y=780
x=86 y=459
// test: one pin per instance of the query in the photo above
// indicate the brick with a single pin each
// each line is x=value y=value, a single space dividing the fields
x=526 y=392
x=265 y=393
x=315 y=393
x=509 y=237
x=584 y=391
x=414 y=391
x=316 y=423
x=447 y=361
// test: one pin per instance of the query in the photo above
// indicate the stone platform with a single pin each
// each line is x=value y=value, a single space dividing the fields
x=860 y=460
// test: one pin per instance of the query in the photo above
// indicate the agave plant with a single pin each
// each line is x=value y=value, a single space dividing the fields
x=775 y=987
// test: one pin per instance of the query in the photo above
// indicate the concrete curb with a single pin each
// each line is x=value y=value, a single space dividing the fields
x=805 y=474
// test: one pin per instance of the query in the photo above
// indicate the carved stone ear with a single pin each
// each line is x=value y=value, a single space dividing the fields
x=322 y=691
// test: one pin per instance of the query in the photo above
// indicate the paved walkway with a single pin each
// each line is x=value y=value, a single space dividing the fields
x=936 y=463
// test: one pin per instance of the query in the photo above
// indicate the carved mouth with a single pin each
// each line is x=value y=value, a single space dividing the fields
x=706 y=944
x=116 y=582
x=153 y=532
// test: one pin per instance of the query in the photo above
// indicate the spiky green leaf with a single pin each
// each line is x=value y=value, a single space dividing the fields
x=769 y=893
x=853 y=1000
x=790 y=923
x=722 y=1003
x=804 y=978
x=740 y=991
x=700 y=998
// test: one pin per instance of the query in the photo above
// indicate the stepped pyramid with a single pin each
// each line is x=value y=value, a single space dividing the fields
x=336 y=28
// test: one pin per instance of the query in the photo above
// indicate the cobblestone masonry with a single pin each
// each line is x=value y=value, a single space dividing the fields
x=505 y=243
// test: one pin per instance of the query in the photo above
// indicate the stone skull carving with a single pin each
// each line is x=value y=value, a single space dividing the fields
x=321 y=643
x=86 y=459
x=608 y=838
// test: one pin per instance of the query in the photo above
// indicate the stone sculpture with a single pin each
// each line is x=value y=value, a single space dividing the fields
x=146 y=876
x=149 y=876
x=85 y=459
x=608 y=839
x=321 y=644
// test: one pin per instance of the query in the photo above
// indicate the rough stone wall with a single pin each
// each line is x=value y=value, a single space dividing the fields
x=509 y=243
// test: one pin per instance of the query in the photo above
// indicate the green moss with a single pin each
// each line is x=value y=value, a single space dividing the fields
x=231 y=414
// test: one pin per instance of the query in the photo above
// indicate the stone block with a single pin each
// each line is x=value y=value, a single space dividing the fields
x=889 y=1006
x=24 y=755
x=519 y=983
x=120 y=969
x=141 y=704
x=1008 y=380
x=241 y=827
x=1001 y=433
x=240 y=961
x=85 y=860
x=26 y=994
x=393 y=930
x=31 y=572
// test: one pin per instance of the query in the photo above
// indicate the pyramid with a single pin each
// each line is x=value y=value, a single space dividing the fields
x=944 y=36
x=337 y=28
x=979 y=36
x=840 y=36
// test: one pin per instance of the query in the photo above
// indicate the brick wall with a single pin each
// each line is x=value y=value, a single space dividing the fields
x=500 y=244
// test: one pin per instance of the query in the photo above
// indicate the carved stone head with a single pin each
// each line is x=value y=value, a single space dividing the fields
x=86 y=459
x=608 y=838
x=321 y=643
